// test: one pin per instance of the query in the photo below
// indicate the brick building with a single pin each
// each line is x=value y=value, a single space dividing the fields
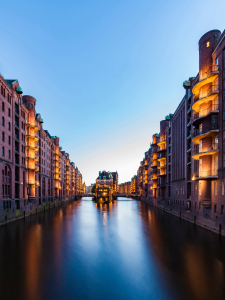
x=35 y=172
x=186 y=163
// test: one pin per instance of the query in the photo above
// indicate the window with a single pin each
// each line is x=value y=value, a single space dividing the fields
x=9 y=112
x=222 y=188
x=9 y=98
x=200 y=189
x=9 y=126
x=224 y=115
x=3 y=151
x=3 y=121
x=3 y=136
x=3 y=106
x=223 y=53
x=207 y=44
x=223 y=75
x=224 y=135
x=217 y=61
x=224 y=95
x=6 y=180
x=196 y=189
x=31 y=106
x=200 y=146
x=215 y=207
x=9 y=154
x=224 y=160
x=222 y=209
x=9 y=140
x=215 y=188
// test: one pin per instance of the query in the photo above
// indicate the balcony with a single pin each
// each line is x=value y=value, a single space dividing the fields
x=161 y=142
x=206 y=96
x=206 y=132
x=209 y=76
x=162 y=148
x=210 y=174
x=161 y=166
x=31 y=146
x=161 y=157
x=213 y=108
x=32 y=136
x=208 y=149
x=162 y=174
x=30 y=167
x=154 y=142
x=32 y=126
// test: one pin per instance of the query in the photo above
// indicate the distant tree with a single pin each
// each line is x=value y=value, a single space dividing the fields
x=93 y=190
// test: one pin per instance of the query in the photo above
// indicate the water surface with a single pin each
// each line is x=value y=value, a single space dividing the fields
x=123 y=250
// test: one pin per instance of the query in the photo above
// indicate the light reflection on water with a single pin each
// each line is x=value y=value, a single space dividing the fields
x=120 y=250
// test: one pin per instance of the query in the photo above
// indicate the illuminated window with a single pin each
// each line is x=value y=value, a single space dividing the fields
x=207 y=44
x=215 y=188
x=222 y=188
x=196 y=189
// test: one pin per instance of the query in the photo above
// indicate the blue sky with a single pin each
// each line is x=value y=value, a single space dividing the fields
x=104 y=73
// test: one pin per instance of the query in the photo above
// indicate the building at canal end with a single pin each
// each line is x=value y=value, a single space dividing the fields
x=104 y=186
x=35 y=172
x=186 y=161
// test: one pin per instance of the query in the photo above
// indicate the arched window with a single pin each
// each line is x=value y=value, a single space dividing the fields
x=3 y=121
x=6 y=183
x=3 y=106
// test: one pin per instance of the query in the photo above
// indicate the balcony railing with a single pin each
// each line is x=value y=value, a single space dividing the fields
x=213 y=68
x=206 y=111
x=212 y=88
x=200 y=174
x=206 y=148
x=198 y=132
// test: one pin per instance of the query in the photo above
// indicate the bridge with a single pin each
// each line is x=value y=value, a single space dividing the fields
x=127 y=195
x=89 y=195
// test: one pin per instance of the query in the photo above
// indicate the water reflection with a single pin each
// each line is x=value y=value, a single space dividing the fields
x=119 y=250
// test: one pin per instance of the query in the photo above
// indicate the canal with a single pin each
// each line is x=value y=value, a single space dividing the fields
x=123 y=250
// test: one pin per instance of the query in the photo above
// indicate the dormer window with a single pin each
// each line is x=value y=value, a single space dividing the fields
x=207 y=44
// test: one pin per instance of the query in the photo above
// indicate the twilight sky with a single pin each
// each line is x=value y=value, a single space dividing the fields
x=104 y=72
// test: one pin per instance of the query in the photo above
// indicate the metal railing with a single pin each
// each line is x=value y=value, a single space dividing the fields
x=206 y=111
x=198 y=132
x=199 y=174
x=206 y=148
x=204 y=75
x=212 y=88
